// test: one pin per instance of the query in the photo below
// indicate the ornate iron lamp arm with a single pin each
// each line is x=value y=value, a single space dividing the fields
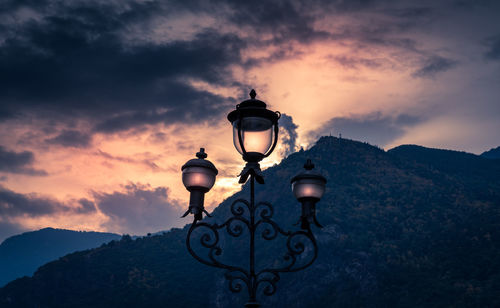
x=271 y=231
x=258 y=221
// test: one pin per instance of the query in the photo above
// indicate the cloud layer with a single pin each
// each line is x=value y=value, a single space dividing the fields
x=136 y=209
x=139 y=209
x=108 y=63
x=97 y=94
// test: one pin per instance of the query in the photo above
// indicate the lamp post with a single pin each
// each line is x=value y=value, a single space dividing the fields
x=255 y=134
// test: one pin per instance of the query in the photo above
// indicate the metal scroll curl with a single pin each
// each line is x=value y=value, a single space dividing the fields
x=267 y=278
x=236 y=280
x=268 y=282
x=209 y=239
x=301 y=247
x=296 y=243
x=237 y=208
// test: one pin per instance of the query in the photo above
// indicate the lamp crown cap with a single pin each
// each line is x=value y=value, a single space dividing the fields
x=253 y=94
x=200 y=161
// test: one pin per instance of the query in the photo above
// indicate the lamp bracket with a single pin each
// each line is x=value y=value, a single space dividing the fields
x=308 y=216
x=251 y=168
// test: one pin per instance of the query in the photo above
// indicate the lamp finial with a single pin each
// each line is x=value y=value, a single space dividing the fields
x=253 y=94
x=308 y=165
x=201 y=154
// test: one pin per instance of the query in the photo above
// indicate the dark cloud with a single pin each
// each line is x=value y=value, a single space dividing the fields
x=375 y=128
x=354 y=5
x=158 y=137
x=433 y=66
x=411 y=12
x=86 y=206
x=352 y=62
x=187 y=106
x=79 y=59
x=71 y=138
x=471 y=4
x=407 y=18
x=13 y=204
x=139 y=209
x=285 y=20
x=74 y=58
x=16 y=205
x=75 y=61
x=18 y=162
x=12 y=5
x=493 y=44
x=144 y=159
x=288 y=135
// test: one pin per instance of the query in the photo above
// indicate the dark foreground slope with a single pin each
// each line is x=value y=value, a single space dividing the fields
x=409 y=227
x=22 y=254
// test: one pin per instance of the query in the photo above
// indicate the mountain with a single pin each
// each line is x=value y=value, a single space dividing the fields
x=410 y=227
x=21 y=255
x=492 y=154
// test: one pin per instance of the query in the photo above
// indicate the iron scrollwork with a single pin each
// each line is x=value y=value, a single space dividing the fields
x=257 y=220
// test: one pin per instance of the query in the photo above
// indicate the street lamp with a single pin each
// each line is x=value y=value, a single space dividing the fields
x=198 y=175
x=308 y=187
x=255 y=134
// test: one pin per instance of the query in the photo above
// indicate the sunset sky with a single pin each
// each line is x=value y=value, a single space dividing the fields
x=102 y=102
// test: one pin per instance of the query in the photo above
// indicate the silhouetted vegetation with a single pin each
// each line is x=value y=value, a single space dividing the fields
x=411 y=227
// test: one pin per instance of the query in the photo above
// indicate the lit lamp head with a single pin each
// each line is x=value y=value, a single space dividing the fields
x=255 y=129
x=308 y=187
x=198 y=175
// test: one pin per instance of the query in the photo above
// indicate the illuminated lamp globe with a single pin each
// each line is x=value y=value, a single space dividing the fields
x=308 y=184
x=255 y=129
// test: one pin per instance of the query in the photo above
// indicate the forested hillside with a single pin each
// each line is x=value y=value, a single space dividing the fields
x=410 y=227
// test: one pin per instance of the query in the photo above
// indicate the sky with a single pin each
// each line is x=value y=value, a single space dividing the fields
x=102 y=102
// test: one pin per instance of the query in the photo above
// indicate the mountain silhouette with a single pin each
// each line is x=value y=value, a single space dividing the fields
x=21 y=255
x=492 y=154
x=408 y=227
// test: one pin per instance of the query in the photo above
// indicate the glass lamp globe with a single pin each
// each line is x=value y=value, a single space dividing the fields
x=255 y=129
x=198 y=178
x=198 y=173
x=308 y=184
x=308 y=188
x=256 y=135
